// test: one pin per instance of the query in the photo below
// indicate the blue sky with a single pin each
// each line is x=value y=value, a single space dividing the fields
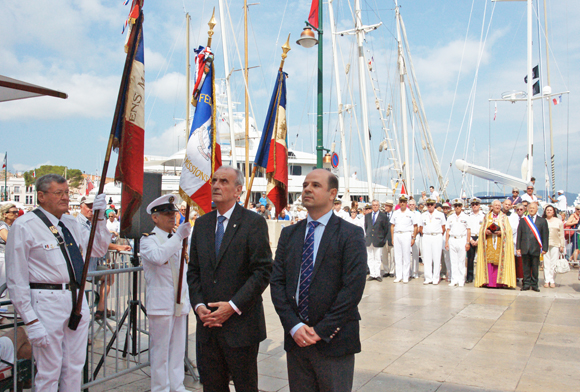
x=76 y=47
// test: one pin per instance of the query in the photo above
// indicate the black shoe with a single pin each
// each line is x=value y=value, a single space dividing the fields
x=370 y=278
x=536 y=289
x=469 y=281
x=525 y=288
x=386 y=275
x=379 y=278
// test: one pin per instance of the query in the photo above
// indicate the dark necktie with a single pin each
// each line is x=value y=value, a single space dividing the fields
x=374 y=217
x=219 y=234
x=169 y=235
x=76 y=257
x=306 y=268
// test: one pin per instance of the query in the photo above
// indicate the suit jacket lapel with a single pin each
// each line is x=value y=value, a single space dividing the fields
x=233 y=225
x=295 y=256
x=329 y=231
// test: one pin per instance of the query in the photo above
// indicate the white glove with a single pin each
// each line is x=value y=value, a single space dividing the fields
x=100 y=204
x=37 y=334
x=184 y=230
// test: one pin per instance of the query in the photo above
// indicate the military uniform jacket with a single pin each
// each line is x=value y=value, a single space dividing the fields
x=160 y=256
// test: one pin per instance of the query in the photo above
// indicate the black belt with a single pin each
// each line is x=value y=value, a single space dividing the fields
x=49 y=286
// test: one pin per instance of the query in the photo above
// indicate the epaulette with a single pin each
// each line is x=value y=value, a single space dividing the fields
x=148 y=234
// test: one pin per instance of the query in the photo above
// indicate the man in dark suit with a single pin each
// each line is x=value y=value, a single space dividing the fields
x=230 y=263
x=377 y=233
x=528 y=246
x=317 y=282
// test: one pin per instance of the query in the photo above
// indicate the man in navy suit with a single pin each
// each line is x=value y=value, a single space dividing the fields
x=317 y=282
x=531 y=230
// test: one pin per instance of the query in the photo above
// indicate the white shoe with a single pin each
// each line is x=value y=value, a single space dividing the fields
x=461 y=284
x=436 y=282
x=452 y=284
x=405 y=280
x=415 y=276
x=397 y=280
x=427 y=282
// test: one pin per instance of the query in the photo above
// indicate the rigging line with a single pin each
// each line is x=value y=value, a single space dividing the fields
x=458 y=77
x=171 y=51
x=197 y=39
x=516 y=141
x=241 y=66
x=474 y=86
x=275 y=51
x=257 y=50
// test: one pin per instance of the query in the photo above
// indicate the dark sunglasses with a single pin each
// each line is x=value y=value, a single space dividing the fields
x=430 y=204
x=12 y=212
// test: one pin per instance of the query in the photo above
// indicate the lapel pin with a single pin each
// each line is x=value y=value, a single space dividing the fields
x=234 y=225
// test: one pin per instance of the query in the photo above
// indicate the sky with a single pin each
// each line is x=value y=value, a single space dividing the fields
x=464 y=53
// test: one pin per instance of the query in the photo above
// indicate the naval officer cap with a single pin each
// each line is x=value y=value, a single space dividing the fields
x=457 y=202
x=430 y=201
x=403 y=198
x=337 y=201
x=476 y=200
x=87 y=199
x=162 y=204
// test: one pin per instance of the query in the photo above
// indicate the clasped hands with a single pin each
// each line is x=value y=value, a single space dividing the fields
x=217 y=317
x=306 y=336
x=489 y=232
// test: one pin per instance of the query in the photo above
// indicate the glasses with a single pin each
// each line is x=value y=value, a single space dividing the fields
x=430 y=204
x=520 y=210
x=12 y=212
x=531 y=188
x=58 y=194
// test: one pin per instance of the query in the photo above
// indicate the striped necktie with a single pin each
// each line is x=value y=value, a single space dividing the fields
x=306 y=269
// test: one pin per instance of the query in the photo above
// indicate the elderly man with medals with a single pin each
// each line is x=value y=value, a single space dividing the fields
x=160 y=254
x=495 y=256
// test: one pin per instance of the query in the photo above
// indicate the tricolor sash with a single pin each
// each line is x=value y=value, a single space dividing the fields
x=534 y=230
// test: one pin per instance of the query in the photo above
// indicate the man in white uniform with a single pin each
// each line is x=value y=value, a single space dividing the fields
x=474 y=220
x=457 y=242
x=403 y=232
x=529 y=195
x=446 y=207
x=161 y=257
x=338 y=211
x=561 y=202
x=388 y=250
x=40 y=278
x=414 y=270
x=432 y=228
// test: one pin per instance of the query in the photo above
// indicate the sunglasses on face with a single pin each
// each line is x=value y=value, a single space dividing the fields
x=12 y=212
x=430 y=204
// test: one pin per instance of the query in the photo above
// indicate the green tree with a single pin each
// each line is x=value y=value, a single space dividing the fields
x=75 y=176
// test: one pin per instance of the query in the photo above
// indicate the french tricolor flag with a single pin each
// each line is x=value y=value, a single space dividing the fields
x=557 y=100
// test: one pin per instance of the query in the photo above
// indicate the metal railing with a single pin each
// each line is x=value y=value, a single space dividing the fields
x=572 y=250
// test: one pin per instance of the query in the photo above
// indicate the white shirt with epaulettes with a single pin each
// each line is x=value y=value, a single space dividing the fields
x=432 y=223
x=457 y=225
x=404 y=221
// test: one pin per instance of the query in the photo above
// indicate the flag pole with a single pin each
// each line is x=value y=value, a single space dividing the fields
x=178 y=304
x=285 y=49
x=76 y=312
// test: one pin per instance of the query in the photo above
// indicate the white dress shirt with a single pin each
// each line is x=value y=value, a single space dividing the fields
x=432 y=223
x=475 y=220
x=457 y=224
x=404 y=221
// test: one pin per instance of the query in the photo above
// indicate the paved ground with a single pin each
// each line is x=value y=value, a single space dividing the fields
x=441 y=338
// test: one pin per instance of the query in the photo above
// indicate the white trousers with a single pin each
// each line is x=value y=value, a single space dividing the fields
x=64 y=357
x=374 y=260
x=389 y=259
x=402 y=245
x=6 y=352
x=447 y=260
x=432 y=257
x=414 y=267
x=550 y=262
x=167 y=334
x=457 y=255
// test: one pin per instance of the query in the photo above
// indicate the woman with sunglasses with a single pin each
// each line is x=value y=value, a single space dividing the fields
x=555 y=245
x=8 y=214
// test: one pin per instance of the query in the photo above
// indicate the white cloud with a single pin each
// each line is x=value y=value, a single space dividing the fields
x=167 y=142
x=22 y=167
x=169 y=88
x=89 y=96
x=154 y=61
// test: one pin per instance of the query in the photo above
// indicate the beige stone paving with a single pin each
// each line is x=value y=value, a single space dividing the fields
x=441 y=338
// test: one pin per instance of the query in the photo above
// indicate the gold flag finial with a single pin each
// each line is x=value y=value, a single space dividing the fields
x=285 y=49
x=211 y=25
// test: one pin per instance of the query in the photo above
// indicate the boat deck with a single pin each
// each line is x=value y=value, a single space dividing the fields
x=441 y=338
